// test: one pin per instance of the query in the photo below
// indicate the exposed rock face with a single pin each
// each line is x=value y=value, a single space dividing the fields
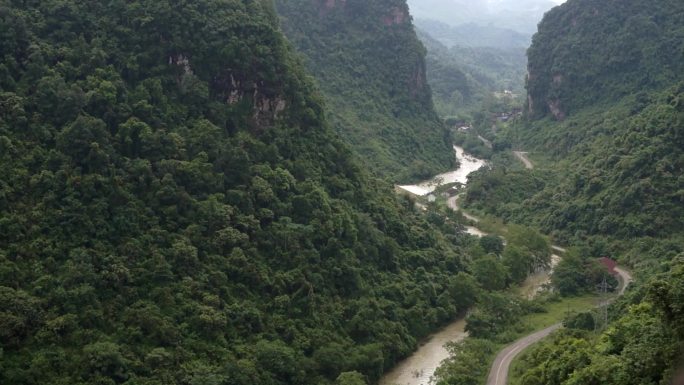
x=418 y=82
x=530 y=104
x=396 y=16
x=266 y=101
x=557 y=79
x=181 y=61
x=588 y=51
x=555 y=108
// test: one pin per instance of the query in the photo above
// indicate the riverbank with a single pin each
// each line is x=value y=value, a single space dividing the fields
x=419 y=368
x=508 y=359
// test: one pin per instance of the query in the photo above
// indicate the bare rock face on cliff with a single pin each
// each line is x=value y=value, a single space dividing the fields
x=371 y=68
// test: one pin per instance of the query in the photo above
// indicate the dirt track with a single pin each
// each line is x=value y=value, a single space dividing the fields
x=523 y=158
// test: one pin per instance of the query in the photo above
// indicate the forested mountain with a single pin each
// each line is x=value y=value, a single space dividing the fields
x=464 y=80
x=371 y=68
x=621 y=141
x=590 y=51
x=175 y=209
x=606 y=107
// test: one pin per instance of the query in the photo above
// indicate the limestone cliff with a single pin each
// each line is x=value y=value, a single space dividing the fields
x=371 y=68
x=595 y=51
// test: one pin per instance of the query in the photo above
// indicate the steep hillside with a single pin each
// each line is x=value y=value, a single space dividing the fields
x=609 y=179
x=464 y=80
x=174 y=208
x=619 y=172
x=371 y=68
x=598 y=51
x=620 y=157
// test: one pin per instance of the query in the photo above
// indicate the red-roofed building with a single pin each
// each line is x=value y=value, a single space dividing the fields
x=609 y=264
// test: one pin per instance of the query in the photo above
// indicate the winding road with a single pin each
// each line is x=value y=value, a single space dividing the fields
x=498 y=375
x=523 y=158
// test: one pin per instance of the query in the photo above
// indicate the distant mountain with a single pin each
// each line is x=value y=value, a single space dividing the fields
x=474 y=35
x=519 y=15
x=462 y=77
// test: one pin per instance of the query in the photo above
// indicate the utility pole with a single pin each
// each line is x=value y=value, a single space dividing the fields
x=602 y=311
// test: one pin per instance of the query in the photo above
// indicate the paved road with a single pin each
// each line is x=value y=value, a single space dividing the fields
x=523 y=158
x=498 y=375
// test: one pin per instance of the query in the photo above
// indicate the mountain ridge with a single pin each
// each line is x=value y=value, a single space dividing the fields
x=370 y=67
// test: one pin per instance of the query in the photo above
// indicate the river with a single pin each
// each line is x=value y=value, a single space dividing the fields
x=419 y=368
x=467 y=164
x=421 y=365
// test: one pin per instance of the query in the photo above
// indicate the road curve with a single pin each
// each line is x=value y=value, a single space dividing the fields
x=498 y=375
x=523 y=158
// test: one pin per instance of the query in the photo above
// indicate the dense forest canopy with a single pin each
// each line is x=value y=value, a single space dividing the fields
x=371 y=68
x=605 y=89
x=593 y=51
x=620 y=158
x=174 y=208
x=466 y=80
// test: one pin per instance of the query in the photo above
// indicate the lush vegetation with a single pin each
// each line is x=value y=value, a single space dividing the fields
x=607 y=179
x=642 y=346
x=471 y=359
x=469 y=82
x=591 y=52
x=621 y=173
x=174 y=208
x=371 y=68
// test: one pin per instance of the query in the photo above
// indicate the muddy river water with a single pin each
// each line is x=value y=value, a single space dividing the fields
x=419 y=368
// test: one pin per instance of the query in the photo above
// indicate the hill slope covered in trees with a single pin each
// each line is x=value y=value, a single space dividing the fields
x=174 y=208
x=621 y=156
x=371 y=68
x=464 y=80
x=606 y=107
x=590 y=51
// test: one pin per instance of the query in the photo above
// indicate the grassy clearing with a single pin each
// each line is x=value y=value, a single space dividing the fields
x=557 y=310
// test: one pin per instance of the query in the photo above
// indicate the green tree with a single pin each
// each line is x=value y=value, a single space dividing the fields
x=490 y=273
x=350 y=378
